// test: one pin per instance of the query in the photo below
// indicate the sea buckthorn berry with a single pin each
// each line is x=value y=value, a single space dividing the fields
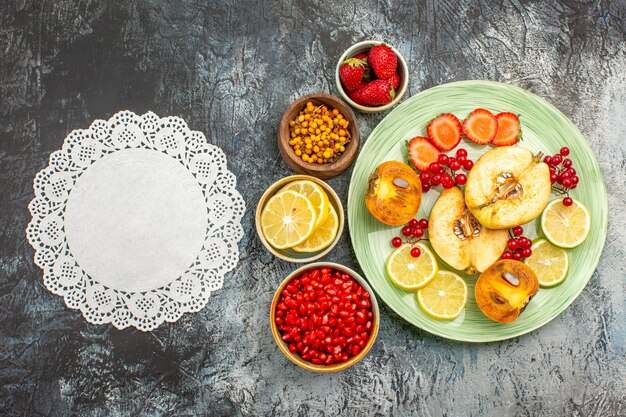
x=314 y=133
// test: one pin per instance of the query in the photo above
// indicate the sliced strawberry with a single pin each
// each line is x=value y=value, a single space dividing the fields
x=444 y=131
x=422 y=153
x=480 y=126
x=509 y=132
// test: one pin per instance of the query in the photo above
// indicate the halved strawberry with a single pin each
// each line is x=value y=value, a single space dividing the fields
x=509 y=131
x=480 y=126
x=444 y=131
x=422 y=153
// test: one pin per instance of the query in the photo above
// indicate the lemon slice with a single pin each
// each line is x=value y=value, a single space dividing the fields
x=565 y=227
x=548 y=262
x=411 y=273
x=322 y=236
x=444 y=298
x=315 y=194
x=287 y=219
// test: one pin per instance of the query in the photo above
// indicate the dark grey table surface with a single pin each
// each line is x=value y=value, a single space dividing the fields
x=230 y=69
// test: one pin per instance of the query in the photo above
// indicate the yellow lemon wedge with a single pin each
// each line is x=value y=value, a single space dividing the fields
x=565 y=227
x=548 y=262
x=444 y=297
x=411 y=273
x=287 y=219
x=315 y=193
x=323 y=235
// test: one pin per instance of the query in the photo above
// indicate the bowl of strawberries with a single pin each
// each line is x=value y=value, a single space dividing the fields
x=372 y=76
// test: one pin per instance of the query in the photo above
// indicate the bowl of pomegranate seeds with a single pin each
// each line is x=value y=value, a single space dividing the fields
x=372 y=76
x=324 y=317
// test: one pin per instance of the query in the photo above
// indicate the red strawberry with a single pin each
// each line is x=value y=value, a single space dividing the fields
x=480 y=126
x=395 y=80
x=383 y=61
x=357 y=96
x=422 y=153
x=351 y=73
x=444 y=131
x=509 y=131
x=368 y=71
x=375 y=93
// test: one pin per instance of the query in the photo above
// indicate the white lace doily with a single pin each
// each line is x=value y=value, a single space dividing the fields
x=136 y=220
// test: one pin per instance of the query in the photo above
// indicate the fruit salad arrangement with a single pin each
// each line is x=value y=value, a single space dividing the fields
x=475 y=226
x=371 y=79
x=300 y=217
x=325 y=316
x=319 y=134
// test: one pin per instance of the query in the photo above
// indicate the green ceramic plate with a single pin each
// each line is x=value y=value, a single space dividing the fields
x=544 y=129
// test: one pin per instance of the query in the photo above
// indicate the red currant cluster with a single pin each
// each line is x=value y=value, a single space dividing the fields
x=437 y=173
x=413 y=232
x=325 y=316
x=562 y=174
x=518 y=246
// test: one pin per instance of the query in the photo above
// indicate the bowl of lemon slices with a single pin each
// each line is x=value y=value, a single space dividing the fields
x=299 y=218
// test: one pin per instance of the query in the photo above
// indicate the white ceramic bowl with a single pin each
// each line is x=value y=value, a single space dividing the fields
x=403 y=71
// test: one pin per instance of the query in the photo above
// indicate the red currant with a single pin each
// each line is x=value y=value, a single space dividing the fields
x=567 y=163
x=574 y=180
x=425 y=187
x=526 y=252
x=524 y=242
x=447 y=184
x=556 y=159
x=461 y=159
x=406 y=231
x=507 y=255
x=396 y=242
x=443 y=159
x=567 y=183
x=416 y=252
x=424 y=224
x=460 y=179
x=461 y=152
x=417 y=232
x=547 y=159
x=518 y=231
x=567 y=201
x=455 y=165
x=467 y=165
x=434 y=167
x=512 y=244
x=553 y=178
x=564 y=151
x=414 y=223
x=424 y=176
x=436 y=179
x=517 y=255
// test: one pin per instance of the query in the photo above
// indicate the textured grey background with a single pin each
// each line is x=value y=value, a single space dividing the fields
x=230 y=69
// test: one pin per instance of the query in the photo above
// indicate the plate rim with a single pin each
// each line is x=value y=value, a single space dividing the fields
x=492 y=84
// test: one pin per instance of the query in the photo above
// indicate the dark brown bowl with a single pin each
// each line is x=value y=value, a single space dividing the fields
x=322 y=171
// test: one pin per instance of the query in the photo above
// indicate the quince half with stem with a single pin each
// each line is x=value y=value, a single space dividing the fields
x=508 y=186
x=459 y=239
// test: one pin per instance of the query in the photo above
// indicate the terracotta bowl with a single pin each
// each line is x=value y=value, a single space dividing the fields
x=289 y=254
x=403 y=71
x=295 y=358
x=322 y=171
